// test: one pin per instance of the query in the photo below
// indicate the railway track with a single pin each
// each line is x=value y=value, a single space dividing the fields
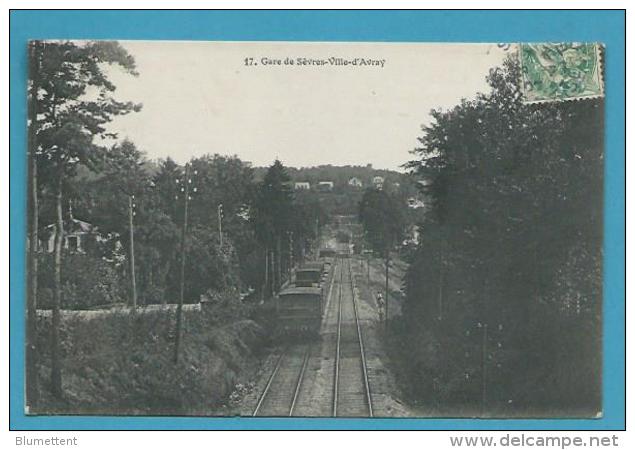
x=331 y=378
x=280 y=395
x=351 y=396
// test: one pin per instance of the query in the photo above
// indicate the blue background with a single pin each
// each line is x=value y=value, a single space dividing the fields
x=407 y=26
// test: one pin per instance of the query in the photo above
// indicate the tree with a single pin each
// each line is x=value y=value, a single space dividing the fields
x=272 y=216
x=516 y=194
x=32 y=382
x=127 y=179
x=167 y=189
x=308 y=212
x=382 y=218
x=74 y=103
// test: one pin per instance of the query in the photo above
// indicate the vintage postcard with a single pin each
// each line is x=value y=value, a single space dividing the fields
x=282 y=229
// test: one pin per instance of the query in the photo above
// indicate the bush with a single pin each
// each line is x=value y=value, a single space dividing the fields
x=87 y=282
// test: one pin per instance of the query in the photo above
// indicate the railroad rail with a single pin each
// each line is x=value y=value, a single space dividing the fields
x=277 y=399
x=330 y=379
x=351 y=390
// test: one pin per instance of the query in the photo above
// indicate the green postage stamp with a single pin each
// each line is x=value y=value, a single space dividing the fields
x=561 y=71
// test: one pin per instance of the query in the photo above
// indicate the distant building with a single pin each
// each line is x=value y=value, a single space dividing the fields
x=325 y=185
x=77 y=234
x=302 y=185
x=378 y=182
x=415 y=203
x=355 y=182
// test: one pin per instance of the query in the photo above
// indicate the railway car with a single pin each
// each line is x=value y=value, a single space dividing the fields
x=299 y=310
x=308 y=277
x=328 y=253
x=316 y=265
x=311 y=274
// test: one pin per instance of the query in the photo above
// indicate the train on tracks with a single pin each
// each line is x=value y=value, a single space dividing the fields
x=341 y=387
x=301 y=302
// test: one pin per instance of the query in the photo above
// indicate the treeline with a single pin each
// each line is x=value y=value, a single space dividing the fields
x=339 y=175
x=242 y=236
x=344 y=199
x=504 y=291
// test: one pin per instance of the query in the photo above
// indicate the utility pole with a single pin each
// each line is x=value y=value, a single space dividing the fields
x=484 y=370
x=317 y=238
x=220 y=224
x=274 y=271
x=290 y=253
x=133 y=281
x=386 y=302
x=278 y=262
x=441 y=291
x=266 y=285
x=179 y=309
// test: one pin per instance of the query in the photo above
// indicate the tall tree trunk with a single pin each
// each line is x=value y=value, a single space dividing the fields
x=56 y=367
x=32 y=383
x=162 y=280
x=149 y=286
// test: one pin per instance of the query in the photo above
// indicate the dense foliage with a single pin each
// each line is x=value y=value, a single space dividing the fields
x=382 y=217
x=504 y=290
x=87 y=282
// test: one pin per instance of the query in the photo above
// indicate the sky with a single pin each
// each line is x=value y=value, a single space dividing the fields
x=201 y=97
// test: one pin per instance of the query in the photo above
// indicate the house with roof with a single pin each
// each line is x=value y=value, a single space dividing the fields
x=355 y=182
x=325 y=186
x=302 y=186
x=78 y=235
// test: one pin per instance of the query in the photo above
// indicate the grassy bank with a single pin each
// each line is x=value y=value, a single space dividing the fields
x=122 y=363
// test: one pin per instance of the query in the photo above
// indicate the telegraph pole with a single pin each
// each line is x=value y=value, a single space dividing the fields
x=133 y=281
x=220 y=224
x=179 y=309
x=441 y=274
x=317 y=238
x=484 y=370
x=386 y=287
x=290 y=253
x=266 y=286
